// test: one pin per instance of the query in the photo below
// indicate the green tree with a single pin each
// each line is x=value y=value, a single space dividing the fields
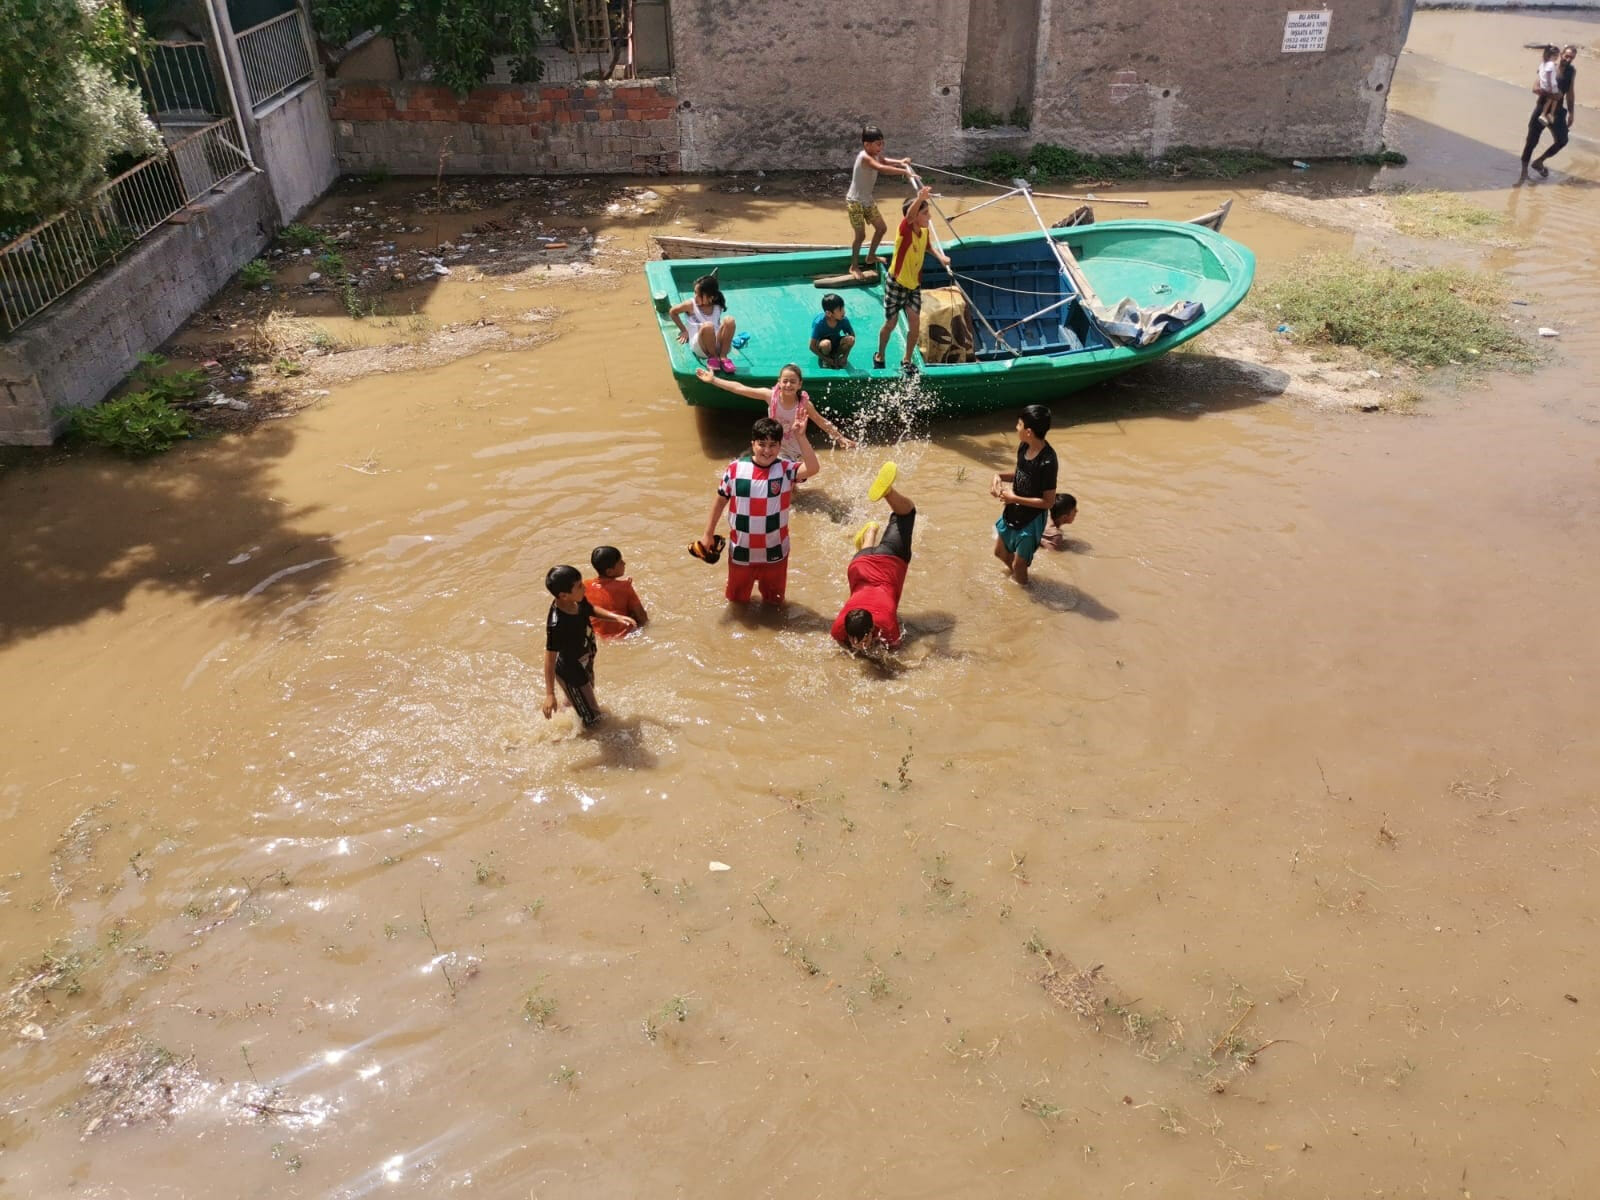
x=458 y=37
x=66 y=108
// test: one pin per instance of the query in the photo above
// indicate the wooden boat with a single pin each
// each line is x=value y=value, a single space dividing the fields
x=674 y=246
x=1041 y=328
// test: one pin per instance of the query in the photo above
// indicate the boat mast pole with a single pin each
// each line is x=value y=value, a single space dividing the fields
x=1063 y=255
x=967 y=212
x=933 y=235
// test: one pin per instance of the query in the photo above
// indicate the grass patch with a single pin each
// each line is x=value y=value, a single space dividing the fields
x=1047 y=163
x=301 y=237
x=1433 y=317
x=1443 y=215
x=255 y=273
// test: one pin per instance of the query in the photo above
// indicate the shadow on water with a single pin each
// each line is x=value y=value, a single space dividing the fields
x=788 y=617
x=620 y=742
x=1065 y=597
x=86 y=530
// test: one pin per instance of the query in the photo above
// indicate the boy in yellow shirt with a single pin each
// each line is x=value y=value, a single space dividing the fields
x=902 y=291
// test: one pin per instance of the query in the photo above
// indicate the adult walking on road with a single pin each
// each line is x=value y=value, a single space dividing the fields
x=1561 y=123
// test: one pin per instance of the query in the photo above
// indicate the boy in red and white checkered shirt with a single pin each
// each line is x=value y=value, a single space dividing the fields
x=756 y=489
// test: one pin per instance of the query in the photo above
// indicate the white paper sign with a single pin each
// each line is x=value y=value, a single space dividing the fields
x=1304 y=31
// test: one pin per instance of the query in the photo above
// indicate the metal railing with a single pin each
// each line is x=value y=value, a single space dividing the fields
x=275 y=57
x=180 y=85
x=54 y=257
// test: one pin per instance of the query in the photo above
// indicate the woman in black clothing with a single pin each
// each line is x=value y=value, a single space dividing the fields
x=1566 y=112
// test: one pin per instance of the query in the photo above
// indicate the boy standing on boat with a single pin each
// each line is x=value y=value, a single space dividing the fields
x=859 y=204
x=756 y=489
x=1029 y=493
x=902 y=291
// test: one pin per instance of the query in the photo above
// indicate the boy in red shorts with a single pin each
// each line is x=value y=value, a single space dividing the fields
x=877 y=573
x=756 y=489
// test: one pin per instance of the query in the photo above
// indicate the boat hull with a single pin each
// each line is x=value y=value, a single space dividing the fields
x=771 y=297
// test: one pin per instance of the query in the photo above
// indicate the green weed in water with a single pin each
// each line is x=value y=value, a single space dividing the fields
x=137 y=425
x=1444 y=215
x=1433 y=317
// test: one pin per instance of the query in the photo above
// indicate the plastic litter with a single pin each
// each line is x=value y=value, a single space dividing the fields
x=719 y=866
x=1546 y=331
x=1300 y=166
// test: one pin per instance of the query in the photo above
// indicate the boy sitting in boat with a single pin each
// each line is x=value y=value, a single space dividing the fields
x=832 y=335
x=902 y=291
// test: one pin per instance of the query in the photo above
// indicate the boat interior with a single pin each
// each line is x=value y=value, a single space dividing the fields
x=1024 y=296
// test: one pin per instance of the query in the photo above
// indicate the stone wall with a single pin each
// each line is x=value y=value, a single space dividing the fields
x=627 y=126
x=768 y=85
x=761 y=90
x=81 y=347
x=1115 y=79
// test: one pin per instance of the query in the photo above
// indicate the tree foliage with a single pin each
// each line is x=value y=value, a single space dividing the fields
x=66 y=107
x=459 y=38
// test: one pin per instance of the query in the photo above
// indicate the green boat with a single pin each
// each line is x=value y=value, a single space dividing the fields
x=1033 y=302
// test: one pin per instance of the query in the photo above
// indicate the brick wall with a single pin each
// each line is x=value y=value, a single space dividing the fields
x=628 y=127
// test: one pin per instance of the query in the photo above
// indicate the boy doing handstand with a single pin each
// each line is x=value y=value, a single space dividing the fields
x=877 y=573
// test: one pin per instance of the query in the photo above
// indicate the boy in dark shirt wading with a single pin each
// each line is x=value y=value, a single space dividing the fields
x=569 y=644
x=1030 y=495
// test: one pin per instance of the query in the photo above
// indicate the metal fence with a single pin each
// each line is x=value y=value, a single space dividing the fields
x=179 y=84
x=275 y=57
x=52 y=258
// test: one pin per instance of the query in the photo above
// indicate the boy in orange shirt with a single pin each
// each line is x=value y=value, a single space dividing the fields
x=610 y=589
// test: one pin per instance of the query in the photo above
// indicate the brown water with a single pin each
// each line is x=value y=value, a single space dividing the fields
x=1295 y=742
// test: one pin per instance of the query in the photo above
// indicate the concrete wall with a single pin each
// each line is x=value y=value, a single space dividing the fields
x=83 y=346
x=627 y=126
x=1111 y=78
x=771 y=85
x=760 y=90
x=297 y=150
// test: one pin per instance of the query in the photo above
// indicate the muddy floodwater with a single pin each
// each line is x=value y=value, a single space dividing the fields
x=1245 y=853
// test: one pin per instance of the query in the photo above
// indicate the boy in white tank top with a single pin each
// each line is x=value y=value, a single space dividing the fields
x=859 y=204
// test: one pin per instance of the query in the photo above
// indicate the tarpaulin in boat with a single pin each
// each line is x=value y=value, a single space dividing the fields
x=1130 y=325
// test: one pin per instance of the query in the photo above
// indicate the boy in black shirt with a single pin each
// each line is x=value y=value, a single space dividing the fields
x=1032 y=491
x=569 y=644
